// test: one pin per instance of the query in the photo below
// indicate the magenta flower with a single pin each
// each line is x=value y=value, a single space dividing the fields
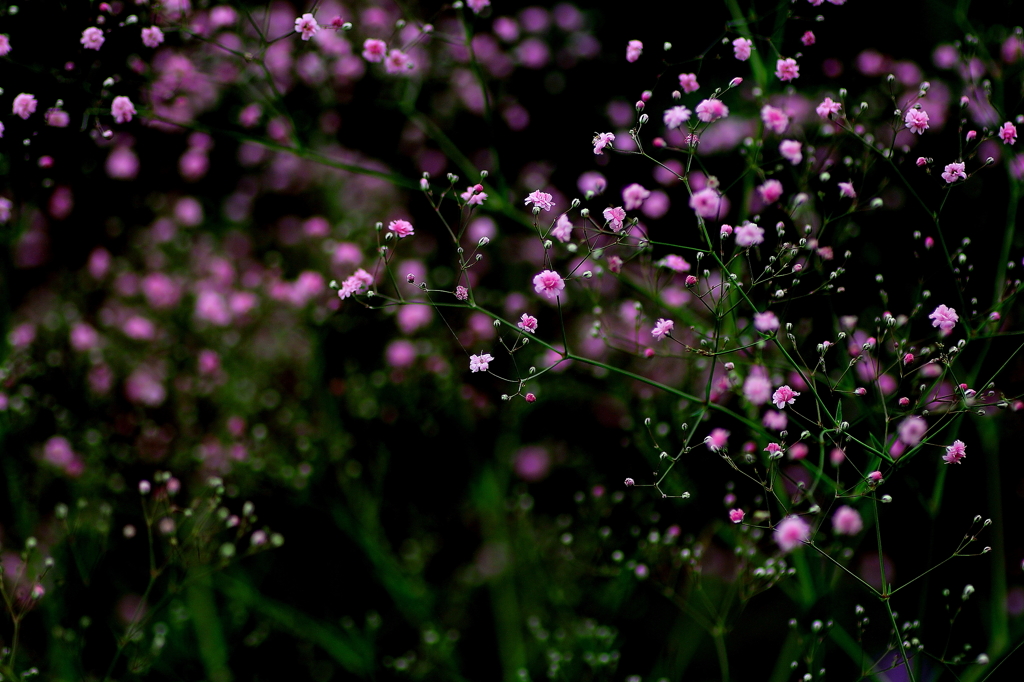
x=616 y=216
x=562 y=231
x=1008 y=133
x=791 y=532
x=474 y=195
x=402 y=228
x=791 y=151
x=92 y=38
x=846 y=190
x=662 y=328
x=757 y=388
x=675 y=263
x=57 y=118
x=374 y=50
x=774 y=419
x=749 y=234
x=528 y=323
x=775 y=119
x=634 y=196
x=787 y=69
x=736 y=515
x=706 y=203
x=770 y=191
x=911 y=430
x=122 y=109
x=480 y=363
x=633 y=50
x=944 y=318
x=5 y=45
x=766 y=321
x=676 y=116
x=783 y=396
x=846 y=521
x=807 y=38
x=602 y=140
x=774 y=450
x=548 y=283
x=541 y=200
x=397 y=62
x=916 y=121
x=953 y=172
x=307 y=26
x=955 y=452
x=688 y=82
x=152 y=36
x=741 y=49
x=461 y=293
x=717 y=440
x=828 y=107
x=24 y=105
x=712 y=110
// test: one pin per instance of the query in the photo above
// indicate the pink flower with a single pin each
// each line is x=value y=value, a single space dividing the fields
x=478 y=5
x=770 y=191
x=374 y=50
x=528 y=323
x=971 y=134
x=944 y=318
x=846 y=190
x=774 y=450
x=57 y=118
x=676 y=116
x=92 y=38
x=474 y=195
x=846 y=521
x=548 y=283
x=5 y=209
x=5 y=45
x=397 y=62
x=916 y=121
x=828 y=107
x=152 y=36
x=675 y=263
x=615 y=216
x=461 y=293
x=562 y=231
x=787 y=69
x=717 y=441
x=775 y=119
x=783 y=396
x=541 y=200
x=741 y=49
x=736 y=515
x=688 y=82
x=875 y=476
x=756 y=387
x=1008 y=133
x=706 y=203
x=766 y=321
x=662 y=328
x=633 y=50
x=921 y=161
x=402 y=228
x=953 y=172
x=122 y=109
x=955 y=452
x=480 y=363
x=791 y=151
x=807 y=38
x=712 y=110
x=307 y=26
x=634 y=196
x=24 y=105
x=774 y=419
x=602 y=140
x=911 y=430
x=748 y=235
x=791 y=532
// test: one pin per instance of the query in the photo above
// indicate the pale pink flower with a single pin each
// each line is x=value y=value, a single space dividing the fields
x=662 y=328
x=791 y=151
x=402 y=228
x=480 y=363
x=783 y=396
x=5 y=45
x=736 y=515
x=770 y=191
x=706 y=203
x=397 y=62
x=478 y=5
x=955 y=452
x=474 y=195
x=461 y=293
x=92 y=38
x=717 y=441
x=676 y=116
x=602 y=140
x=528 y=323
x=741 y=48
x=775 y=119
x=122 y=109
x=712 y=110
x=787 y=69
x=774 y=419
x=766 y=321
x=944 y=318
x=846 y=521
x=954 y=171
x=24 y=105
x=633 y=50
x=748 y=235
x=1008 y=133
x=675 y=263
x=791 y=532
x=756 y=387
x=152 y=36
x=828 y=107
x=916 y=121
x=307 y=26
x=846 y=190
x=548 y=284
x=634 y=196
x=807 y=38
x=911 y=430
x=615 y=216
x=374 y=50
x=541 y=200
x=562 y=231
x=688 y=82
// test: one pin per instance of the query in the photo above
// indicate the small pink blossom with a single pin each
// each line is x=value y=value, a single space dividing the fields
x=152 y=36
x=541 y=200
x=712 y=110
x=478 y=5
x=397 y=62
x=374 y=50
x=662 y=328
x=461 y=293
x=787 y=69
x=748 y=235
x=122 y=109
x=828 y=107
x=770 y=191
x=736 y=515
x=1008 y=133
x=528 y=323
x=807 y=38
x=741 y=48
x=791 y=151
x=307 y=26
x=955 y=452
x=480 y=363
x=562 y=231
x=615 y=217
x=633 y=50
x=688 y=82
x=474 y=195
x=24 y=105
x=875 y=476
x=846 y=190
x=717 y=440
x=57 y=118
x=953 y=172
x=706 y=203
x=911 y=430
x=921 y=161
x=791 y=532
x=846 y=521
x=548 y=284
x=92 y=38
x=971 y=134
x=602 y=140
x=675 y=263
x=634 y=196
x=944 y=318
x=766 y=321
x=757 y=388
x=775 y=119
x=676 y=116
x=783 y=396
x=5 y=45
x=916 y=121
x=908 y=358
x=774 y=450
x=402 y=228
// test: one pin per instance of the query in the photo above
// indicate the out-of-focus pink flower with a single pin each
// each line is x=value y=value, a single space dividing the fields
x=634 y=196
x=92 y=38
x=741 y=49
x=688 y=82
x=736 y=515
x=787 y=69
x=846 y=190
x=717 y=440
x=846 y=521
x=706 y=203
x=807 y=38
x=770 y=191
x=828 y=107
x=24 y=105
x=633 y=50
x=775 y=119
x=122 y=109
x=791 y=151
x=791 y=532
x=374 y=50
x=712 y=110
x=152 y=36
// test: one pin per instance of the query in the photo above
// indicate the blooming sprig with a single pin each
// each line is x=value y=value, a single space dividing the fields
x=783 y=396
x=540 y=200
x=480 y=363
x=662 y=328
